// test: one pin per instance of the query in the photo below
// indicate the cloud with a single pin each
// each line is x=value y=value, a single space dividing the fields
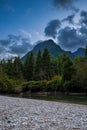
x=14 y=45
x=13 y=39
x=25 y=33
x=83 y=19
x=65 y=4
x=40 y=36
x=70 y=39
x=4 y=42
x=20 y=47
x=2 y=49
x=52 y=28
x=69 y=19
x=83 y=30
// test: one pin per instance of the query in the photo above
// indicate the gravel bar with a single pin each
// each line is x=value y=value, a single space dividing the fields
x=29 y=114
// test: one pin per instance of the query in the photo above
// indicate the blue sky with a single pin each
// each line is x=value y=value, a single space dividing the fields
x=32 y=20
x=30 y=16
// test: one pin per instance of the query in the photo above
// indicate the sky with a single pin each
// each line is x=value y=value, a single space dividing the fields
x=24 y=22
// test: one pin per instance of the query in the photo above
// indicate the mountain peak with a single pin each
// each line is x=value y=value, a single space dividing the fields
x=50 y=40
x=53 y=49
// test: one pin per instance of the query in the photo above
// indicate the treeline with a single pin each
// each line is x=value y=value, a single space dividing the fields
x=42 y=73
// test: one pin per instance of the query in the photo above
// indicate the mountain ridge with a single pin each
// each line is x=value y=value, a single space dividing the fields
x=53 y=49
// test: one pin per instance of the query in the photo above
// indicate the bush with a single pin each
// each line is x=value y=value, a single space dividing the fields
x=7 y=85
x=34 y=86
x=74 y=86
x=55 y=84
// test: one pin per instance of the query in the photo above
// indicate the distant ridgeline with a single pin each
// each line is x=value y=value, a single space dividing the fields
x=44 y=72
x=53 y=49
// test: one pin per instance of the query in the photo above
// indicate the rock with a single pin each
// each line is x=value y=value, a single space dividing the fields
x=28 y=114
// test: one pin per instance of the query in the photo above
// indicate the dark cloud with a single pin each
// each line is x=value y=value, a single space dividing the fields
x=83 y=19
x=83 y=30
x=65 y=4
x=14 y=37
x=15 y=45
x=4 y=42
x=62 y=3
x=52 y=28
x=21 y=48
x=2 y=49
x=70 y=39
x=74 y=9
x=18 y=49
x=69 y=19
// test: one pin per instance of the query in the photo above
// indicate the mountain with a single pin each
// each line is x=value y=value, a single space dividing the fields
x=79 y=52
x=53 y=49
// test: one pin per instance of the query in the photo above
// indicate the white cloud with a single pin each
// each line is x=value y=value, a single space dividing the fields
x=40 y=37
x=25 y=33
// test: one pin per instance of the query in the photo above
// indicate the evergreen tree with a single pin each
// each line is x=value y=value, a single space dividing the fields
x=58 y=64
x=18 y=67
x=68 y=69
x=9 y=68
x=29 y=67
x=46 y=64
x=86 y=51
x=38 y=67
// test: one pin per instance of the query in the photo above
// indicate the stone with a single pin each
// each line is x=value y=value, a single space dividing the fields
x=29 y=114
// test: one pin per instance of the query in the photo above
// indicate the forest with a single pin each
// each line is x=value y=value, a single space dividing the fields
x=44 y=74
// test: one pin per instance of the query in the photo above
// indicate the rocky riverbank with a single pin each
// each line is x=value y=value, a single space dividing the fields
x=28 y=114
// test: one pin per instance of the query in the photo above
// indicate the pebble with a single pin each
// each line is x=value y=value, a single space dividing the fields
x=29 y=114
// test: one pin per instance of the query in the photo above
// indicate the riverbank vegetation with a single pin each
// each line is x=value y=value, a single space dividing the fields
x=44 y=75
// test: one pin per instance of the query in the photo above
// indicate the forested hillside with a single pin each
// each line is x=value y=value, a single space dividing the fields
x=44 y=74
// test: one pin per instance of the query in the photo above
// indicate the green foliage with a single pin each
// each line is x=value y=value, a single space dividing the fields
x=29 y=67
x=7 y=85
x=33 y=86
x=58 y=63
x=68 y=69
x=55 y=84
x=46 y=64
x=18 y=68
x=86 y=51
x=13 y=68
x=9 y=81
x=81 y=72
x=38 y=74
x=51 y=75
x=9 y=67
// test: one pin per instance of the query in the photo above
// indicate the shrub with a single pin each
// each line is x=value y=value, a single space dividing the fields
x=34 y=86
x=6 y=85
x=74 y=86
x=55 y=84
